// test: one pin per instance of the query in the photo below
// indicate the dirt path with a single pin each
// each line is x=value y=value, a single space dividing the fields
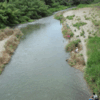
x=80 y=16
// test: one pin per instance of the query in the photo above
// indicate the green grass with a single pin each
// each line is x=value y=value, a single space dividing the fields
x=78 y=19
x=82 y=33
x=71 y=34
x=70 y=17
x=61 y=7
x=78 y=24
x=87 y=5
x=72 y=45
x=92 y=73
x=64 y=32
x=67 y=31
x=77 y=36
x=0 y=72
x=89 y=36
x=81 y=54
x=59 y=17
x=86 y=18
x=96 y=22
x=74 y=8
x=72 y=63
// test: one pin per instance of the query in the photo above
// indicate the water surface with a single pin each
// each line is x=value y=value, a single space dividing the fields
x=38 y=69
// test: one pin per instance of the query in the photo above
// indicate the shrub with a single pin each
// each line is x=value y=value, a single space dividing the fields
x=71 y=34
x=72 y=45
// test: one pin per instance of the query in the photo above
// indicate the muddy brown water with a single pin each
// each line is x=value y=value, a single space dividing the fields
x=38 y=69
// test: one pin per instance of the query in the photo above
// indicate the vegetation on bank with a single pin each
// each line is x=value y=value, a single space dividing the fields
x=66 y=30
x=92 y=71
x=72 y=45
x=70 y=17
x=76 y=60
x=79 y=24
x=60 y=17
x=10 y=45
x=19 y=11
x=14 y=12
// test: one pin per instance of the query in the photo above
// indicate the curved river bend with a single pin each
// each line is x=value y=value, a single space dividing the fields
x=38 y=70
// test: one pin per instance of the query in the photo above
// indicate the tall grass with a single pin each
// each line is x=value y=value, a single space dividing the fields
x=72 y=45
x=92 y=73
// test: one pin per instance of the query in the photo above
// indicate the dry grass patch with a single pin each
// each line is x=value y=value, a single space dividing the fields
x=10 y=45
x=76 y=61
x=2 y=36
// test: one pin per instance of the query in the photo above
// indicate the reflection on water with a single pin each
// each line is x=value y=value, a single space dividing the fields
x=38 y=70
x=30 y=28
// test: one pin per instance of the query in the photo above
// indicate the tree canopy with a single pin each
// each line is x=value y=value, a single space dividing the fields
x=19 y=11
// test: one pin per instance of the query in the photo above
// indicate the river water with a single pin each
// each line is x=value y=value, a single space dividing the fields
x=38 y=69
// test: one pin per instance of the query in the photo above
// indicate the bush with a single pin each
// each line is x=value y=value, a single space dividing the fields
x=71 y=34
x=72 y=45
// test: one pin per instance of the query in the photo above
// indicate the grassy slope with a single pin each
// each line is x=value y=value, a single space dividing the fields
x=92 y=72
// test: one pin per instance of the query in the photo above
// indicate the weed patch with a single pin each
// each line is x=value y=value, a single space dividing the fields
x=67 y=31
x=59 y=16
x=82 y=33
x=70 y=17
x=78 y=24
x=72 y=45
x=86 y=18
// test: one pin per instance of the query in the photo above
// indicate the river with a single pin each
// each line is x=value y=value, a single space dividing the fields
x=38 y=69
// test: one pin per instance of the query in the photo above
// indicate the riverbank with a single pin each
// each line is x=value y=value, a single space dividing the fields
x=9 y=40
x=80 y=31
x=84 y=23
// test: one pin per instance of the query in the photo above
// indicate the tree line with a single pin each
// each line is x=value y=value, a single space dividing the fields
x=18 y=11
